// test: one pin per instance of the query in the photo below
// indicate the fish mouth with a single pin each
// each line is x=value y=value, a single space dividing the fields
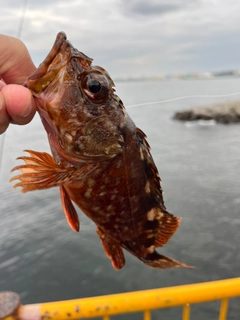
x=48 y=83
x=39 y=79
x=58 y=57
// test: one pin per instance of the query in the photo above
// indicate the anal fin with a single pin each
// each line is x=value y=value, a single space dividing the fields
x=69 y=210
x=112 y=249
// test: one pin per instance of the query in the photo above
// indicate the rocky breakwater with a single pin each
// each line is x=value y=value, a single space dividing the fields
x=226 y=113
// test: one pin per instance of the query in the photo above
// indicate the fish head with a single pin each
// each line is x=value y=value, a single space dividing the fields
x=72 y=98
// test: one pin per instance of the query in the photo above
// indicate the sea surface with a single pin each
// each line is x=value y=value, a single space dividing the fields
x=42 y=259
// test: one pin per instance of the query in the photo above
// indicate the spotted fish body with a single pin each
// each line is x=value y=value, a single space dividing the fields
x=101 y=161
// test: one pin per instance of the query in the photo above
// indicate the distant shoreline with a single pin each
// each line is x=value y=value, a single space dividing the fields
x=189 y=76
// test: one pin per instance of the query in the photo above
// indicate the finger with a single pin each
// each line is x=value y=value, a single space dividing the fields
x=15 y=61
x=18 y=104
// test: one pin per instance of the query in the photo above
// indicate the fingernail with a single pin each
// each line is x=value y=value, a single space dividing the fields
x=26 y=111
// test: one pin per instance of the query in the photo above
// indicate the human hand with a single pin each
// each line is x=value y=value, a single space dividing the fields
x=16 y=102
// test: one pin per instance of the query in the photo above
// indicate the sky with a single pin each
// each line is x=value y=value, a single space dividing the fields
x=133 y=38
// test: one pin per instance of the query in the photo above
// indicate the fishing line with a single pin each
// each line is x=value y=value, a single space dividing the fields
x=22 y=17
x=18 y=35
x=182 y=98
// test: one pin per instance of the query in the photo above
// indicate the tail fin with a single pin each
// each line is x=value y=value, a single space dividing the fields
x=156 y=260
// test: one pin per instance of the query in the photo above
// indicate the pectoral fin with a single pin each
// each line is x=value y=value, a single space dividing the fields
x=69 y=210
x=40 y=171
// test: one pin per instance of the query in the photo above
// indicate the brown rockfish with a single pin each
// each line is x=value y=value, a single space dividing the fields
x=100 y=159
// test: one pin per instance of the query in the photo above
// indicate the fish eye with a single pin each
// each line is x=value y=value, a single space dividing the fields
x=94 y=86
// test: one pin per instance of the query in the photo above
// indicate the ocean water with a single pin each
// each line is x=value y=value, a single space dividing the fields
x=42 y=259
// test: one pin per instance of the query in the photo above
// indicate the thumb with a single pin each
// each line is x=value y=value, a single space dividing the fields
x=17 y=103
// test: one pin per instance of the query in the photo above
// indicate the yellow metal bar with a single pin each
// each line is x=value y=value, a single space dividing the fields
x=186 y=312
x=147 y=315
x=223 y=309
x=103 y=306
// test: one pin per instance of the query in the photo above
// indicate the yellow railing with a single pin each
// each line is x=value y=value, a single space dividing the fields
x=144 y=301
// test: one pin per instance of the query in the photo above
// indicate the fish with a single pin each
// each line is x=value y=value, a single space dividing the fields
x=100 y=160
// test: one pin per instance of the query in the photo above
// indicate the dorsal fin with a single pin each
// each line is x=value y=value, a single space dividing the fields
x=158 y=227
x=166 y=228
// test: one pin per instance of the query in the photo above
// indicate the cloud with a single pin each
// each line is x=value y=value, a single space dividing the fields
x=154 y=7
x=131 y=38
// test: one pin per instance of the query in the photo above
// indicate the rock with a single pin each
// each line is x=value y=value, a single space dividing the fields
x=223 y=113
